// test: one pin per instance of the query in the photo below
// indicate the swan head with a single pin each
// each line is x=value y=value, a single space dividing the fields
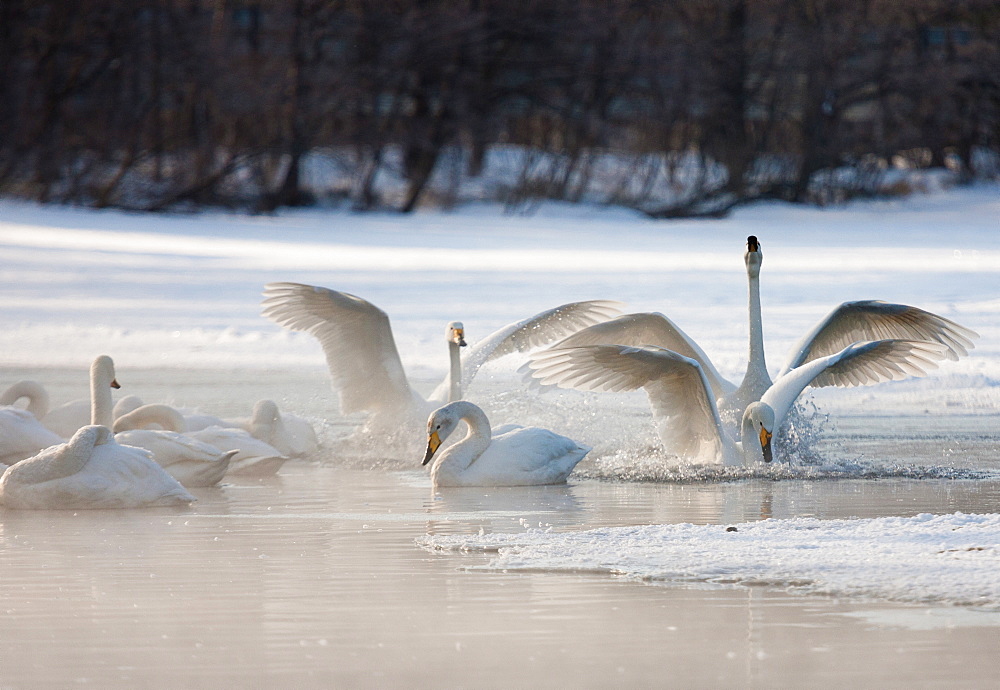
x=104 y=367
x=757 y=431
x=439 y=427
x=456 y=333
x=753 y=257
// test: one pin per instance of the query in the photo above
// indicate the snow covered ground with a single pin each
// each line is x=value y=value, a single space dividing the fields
x=183 y=291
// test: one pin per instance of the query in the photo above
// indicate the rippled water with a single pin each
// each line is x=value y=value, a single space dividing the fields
x=312 y=579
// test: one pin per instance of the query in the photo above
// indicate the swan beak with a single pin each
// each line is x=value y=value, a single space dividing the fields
x=115 y=384
x=765 y=444
x=752 y=244
x=433 y=443
x=458 y=336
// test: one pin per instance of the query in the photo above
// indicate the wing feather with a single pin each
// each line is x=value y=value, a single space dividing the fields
x=356 y=338
x=535 y=331
x=872 y=320
x=649 y=328
x=858 y=364
x=679 y=394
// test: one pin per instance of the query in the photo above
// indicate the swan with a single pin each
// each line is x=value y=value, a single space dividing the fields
x=188 y=460
x=523 y=456
x=253 y=457
x=91 y=470
x=21 y=434
x=850 y=322
x=365 y=365
x=34 y=392
x=291 y=435
x=201 y=457
x=684 y=404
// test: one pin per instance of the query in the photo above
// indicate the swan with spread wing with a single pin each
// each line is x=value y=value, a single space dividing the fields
x=850 y=322
x=684 y=404
x=364 y=362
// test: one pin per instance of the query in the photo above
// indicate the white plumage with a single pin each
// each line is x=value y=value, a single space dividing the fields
x=521 y=456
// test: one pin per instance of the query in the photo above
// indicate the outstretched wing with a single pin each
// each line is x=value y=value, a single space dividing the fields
x=870 y=320
x=858 y=364
x=541 y=329
x=356 y=338
x=682 y=401
x=649 y=328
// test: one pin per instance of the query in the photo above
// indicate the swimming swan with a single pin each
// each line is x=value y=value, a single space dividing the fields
x=188 y=460
x=363 y=360
x=683 y=401
x=851 y=322
x=253 y=457
x=21 y=433
x=523 y=456
x=90 y=471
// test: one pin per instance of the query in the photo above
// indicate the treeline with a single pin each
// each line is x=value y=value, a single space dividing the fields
x=676 y=108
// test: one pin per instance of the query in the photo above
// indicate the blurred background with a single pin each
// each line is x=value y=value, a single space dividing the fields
x=677 y=109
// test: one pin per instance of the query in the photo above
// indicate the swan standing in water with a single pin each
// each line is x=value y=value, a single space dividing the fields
x=90 y=471
x=523 y=456
x=21 y=434
x=684 y=404
x=850 y=322
x=363 y=359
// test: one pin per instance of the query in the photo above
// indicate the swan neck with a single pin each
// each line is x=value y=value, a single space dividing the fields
x=38 y=397
x=141 y=417
x=101 y=402
x=454 y=372
x=478 y=437
x=755 y=356
x=61 y=461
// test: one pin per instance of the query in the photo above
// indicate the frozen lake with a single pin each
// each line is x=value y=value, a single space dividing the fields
x=877 y=565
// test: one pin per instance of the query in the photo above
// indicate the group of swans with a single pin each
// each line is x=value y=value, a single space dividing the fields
x=46 y=471
x=366 y=371
x=696 y=409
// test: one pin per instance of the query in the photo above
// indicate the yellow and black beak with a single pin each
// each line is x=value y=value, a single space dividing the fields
x=458 y=336
x=115 y=384
x=752 y=244
x=765 y=444
x=433 y=443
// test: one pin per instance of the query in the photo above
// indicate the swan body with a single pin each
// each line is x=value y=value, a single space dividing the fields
x=253 y=457
x=363 y=359
x=850 y=322
x=91 y=470
x=188 y=460
x=67 y=418
x=684 y=405
x=22 y=435
x=522 y=456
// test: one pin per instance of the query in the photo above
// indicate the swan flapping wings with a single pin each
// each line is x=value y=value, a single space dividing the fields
x=361 y=352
